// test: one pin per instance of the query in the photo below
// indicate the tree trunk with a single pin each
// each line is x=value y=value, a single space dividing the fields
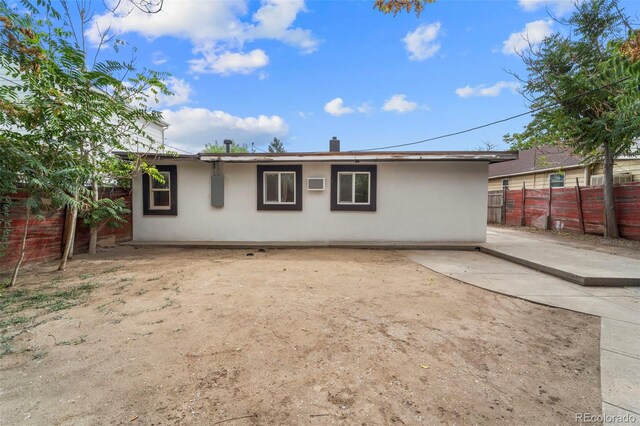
x=23 y=247
x=71 y=235
x=93 y=236
x=610 y=222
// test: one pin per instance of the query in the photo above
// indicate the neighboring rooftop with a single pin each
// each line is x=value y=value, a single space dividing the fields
x=536 y=159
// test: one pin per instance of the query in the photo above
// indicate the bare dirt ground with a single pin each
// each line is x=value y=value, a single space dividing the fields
x=315 y=336
x=617 y=246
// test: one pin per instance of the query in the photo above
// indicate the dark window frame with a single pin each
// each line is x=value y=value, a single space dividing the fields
x=147 y=210
x=507 y=183
x=372 y=169
x=297 y=169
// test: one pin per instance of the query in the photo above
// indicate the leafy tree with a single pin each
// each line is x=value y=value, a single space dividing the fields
x=61 y=116
x=276 y=146
x=216 y=148
x=397 y=6
x=583 y=89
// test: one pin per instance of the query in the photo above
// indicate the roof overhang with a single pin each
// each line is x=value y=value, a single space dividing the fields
x=350 y=157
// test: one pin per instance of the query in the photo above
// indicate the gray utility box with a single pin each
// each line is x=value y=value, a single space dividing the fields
x=217 y=191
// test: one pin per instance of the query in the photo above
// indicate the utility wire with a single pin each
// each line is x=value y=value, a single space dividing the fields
x=178 y=149
x=447 y=135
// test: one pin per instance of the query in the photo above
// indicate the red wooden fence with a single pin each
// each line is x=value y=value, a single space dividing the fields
x=575 y=209
x=45 y=236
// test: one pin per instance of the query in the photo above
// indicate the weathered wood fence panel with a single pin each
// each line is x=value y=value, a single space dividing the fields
x=45 y=237
x=495 y=206
x=576 y=210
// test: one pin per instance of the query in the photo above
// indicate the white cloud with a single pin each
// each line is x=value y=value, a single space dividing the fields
x=214 y=28
x=336 y=108
x=228 y=63
x=533 y=33
x=560 y=7
x=421 y=43
x=192 y=128
x=400 y=104
x=181 y=89
x=365 y=108
x=482 y=90
x=158 y=58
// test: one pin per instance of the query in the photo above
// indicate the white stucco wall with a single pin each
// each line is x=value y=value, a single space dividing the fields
x=416 y=202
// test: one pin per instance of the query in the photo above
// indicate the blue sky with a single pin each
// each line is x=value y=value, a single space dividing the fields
x=307 y=71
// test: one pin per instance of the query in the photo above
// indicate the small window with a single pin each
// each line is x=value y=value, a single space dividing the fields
x=353 y=187
x=161 y=198
x=505 y=183
x=556 y=180
x=279 y=187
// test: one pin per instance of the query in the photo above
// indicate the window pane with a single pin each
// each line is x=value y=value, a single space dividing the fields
x=159 y=185
x=271 y=187
x=362 y=188
x=345 y=185
x=161 y=198
x=556 y=180
x=287 y=186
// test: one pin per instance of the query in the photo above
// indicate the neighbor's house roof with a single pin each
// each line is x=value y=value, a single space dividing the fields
x=539 y=159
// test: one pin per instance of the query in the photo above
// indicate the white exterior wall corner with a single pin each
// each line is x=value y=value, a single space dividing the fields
x=440 y=201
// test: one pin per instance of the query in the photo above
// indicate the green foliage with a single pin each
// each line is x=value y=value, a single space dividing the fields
x=216 y=148
x=62 y=115
x=584 y=90
x=276 y=146
x=106 y=210
x=397 y=6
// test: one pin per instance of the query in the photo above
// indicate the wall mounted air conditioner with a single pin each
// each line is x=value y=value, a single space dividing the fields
x=315 y=184
x=598 y=180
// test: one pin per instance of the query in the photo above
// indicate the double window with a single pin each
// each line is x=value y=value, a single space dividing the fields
x=279 y=187
x=161 y=198
x=353 y=187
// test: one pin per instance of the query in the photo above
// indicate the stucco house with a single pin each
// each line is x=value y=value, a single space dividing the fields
x=315 y=198
x=550 y=166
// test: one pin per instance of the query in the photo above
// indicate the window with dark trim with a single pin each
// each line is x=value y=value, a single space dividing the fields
x=280 y=187
x=353 y=187
x=161 y=198
x=505 y=183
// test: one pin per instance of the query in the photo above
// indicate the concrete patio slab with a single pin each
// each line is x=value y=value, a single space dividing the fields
x=620 y=380
x=616 y=416
x=584 y=267
x=621 y=337
x=474 y=268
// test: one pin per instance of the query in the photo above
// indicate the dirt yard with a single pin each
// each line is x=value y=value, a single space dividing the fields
x=316 y=336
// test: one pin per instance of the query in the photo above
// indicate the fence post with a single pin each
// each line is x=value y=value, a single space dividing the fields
x=503 y=208
x=548 y=224
x=579 y=202
x=524 y=194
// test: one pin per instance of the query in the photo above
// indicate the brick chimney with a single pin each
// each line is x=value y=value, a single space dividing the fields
x=334 y=145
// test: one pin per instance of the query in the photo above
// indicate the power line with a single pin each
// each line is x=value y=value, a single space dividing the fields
x=260 y=149
x=471 y=129
x=178 y=149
